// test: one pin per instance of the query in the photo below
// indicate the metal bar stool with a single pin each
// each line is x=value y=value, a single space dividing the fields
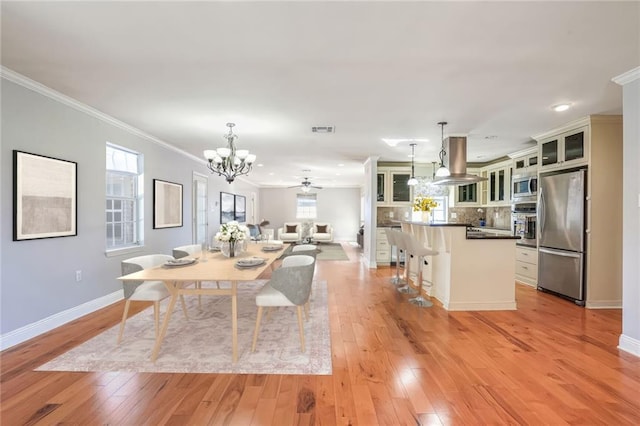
x=417 y=248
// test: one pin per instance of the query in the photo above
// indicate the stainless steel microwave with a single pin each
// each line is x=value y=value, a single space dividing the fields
x=525 y=187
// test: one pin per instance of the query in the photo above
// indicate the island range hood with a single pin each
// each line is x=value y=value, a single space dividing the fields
x=455 y=160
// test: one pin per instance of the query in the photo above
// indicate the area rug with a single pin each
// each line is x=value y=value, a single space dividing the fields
x=202 y=344
x=326 y=251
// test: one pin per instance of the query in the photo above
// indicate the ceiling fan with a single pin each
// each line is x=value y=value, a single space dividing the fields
x=306 y=185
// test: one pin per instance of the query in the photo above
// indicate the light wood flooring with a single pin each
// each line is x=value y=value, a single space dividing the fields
x=549 y=362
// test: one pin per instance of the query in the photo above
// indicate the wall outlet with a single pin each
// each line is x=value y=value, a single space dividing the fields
x=454 y=215
x=78 y=276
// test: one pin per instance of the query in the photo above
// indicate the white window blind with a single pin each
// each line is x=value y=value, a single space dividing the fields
x=306 y=206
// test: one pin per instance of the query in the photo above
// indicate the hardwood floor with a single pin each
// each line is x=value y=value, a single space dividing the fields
x=549 y=362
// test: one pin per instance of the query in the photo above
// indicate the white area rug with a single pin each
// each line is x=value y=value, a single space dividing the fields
x=202 y=344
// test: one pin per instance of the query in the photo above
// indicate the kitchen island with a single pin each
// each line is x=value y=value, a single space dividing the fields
x=471 y=272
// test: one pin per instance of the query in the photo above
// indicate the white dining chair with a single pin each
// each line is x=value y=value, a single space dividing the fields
x=147 y=291
x=290 y=285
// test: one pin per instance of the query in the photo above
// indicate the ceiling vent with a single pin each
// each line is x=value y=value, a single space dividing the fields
x=323 y=129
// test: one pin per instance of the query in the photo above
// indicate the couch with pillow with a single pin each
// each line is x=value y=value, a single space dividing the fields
x=290 y=232
x=321 y=233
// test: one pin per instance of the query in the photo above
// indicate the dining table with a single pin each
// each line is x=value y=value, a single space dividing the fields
x=209 y=266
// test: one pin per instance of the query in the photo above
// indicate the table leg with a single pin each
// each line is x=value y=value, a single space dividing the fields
x=234 y=319
x=165 y=323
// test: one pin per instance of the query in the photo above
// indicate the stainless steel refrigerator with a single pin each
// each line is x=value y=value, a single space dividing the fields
x=561 y=234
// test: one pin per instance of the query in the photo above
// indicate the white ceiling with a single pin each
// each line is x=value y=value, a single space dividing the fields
x=179 y=71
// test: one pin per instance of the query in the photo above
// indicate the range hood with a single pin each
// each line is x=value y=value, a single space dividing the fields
x=455 y=160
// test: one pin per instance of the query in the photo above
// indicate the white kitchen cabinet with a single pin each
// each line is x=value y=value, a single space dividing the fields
x=468 y=195
x=392 y=188
x=525 y=161
x=498 y=183
x=568 y=149
x=527 y=265
x=383 y=248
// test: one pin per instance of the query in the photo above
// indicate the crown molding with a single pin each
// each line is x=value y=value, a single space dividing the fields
x=32 y=85
x=627 y=77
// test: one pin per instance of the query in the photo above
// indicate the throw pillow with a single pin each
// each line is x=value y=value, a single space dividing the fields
x=291 y=229
x=321 y=229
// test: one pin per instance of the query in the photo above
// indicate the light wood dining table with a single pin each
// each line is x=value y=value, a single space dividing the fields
x=214 y=266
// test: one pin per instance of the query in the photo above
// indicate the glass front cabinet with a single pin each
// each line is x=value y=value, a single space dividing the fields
x=564 y=150
x=392 y=188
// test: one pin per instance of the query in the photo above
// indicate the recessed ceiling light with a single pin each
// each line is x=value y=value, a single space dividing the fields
x=271 y=174
x=340 y=165
x=260 y=165
x=394 y=142
x=561 y=107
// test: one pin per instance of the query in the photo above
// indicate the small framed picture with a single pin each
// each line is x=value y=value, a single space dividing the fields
x=167 y=204
x=45 y=197
x=227 y=207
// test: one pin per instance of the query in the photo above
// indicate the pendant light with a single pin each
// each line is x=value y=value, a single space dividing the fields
x=412 y=180
x=442 y=171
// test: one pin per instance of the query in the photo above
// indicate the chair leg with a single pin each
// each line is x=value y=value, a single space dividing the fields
x=124 y=319
x=301 y=326
x=184 y=307
x=255 y=333
x=269 y=310
x=156 y=316
x=306 y=310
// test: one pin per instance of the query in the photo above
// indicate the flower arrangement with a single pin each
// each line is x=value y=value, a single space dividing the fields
x=231 y=232
x=424 y=204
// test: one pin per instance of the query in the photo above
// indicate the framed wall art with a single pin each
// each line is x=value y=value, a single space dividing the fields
x=167 y=204
x=240 y=208
x=45 y=197
x=227 y=207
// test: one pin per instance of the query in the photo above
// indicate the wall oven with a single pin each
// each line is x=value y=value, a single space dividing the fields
x=524 y=187
x=524 y=222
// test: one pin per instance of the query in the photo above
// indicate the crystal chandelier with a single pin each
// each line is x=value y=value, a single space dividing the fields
x=229 y=161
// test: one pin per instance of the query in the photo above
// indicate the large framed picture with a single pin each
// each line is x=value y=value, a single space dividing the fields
x=45 y=197
x=167 y=204
x=227 y=207
x=241 y=208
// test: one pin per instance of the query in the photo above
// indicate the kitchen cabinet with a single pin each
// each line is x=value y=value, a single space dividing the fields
x=392 y=188
x=568 y=149
x=525 y=161
x=467 y=195
x=595 y=143
x=527 y=265
x=383 y=248
x=498 y=183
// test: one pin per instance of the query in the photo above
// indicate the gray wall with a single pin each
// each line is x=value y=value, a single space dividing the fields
x=37 y=277
x=631 y=215
x=338 y=206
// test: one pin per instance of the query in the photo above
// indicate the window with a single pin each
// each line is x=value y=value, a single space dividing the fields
x=124 y=198
x=306 y=206
x=439 y=214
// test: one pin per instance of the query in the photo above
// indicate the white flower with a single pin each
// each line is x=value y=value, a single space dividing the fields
x=231 y=232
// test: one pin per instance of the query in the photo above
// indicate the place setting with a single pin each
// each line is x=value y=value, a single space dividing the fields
x=270 y=248
x=249 y=262
x=180 y=262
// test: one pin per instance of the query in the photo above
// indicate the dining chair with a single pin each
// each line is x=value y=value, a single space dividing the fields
x=147 y=291
x=290 y=285
x=191 y=250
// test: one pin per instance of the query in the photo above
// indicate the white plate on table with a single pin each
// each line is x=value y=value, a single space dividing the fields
x=180 y=262
x=250 y=262
x=214 y=249
x=271 y=248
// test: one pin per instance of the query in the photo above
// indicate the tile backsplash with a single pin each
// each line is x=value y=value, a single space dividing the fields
x=496 y=217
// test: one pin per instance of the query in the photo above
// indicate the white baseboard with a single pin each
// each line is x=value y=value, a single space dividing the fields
x=480 y=306
x=604 y=304
x=629 y=344
x=37 y=328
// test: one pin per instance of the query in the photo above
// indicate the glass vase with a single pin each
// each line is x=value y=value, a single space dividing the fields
x=229 y=249
x=426 y=217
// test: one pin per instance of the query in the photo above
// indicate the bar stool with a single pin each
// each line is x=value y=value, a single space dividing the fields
x=416 y=248
x=404 y=243
x=392 y=238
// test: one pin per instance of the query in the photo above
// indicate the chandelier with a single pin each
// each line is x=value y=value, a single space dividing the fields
x=442 y=171
x=229 y=161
